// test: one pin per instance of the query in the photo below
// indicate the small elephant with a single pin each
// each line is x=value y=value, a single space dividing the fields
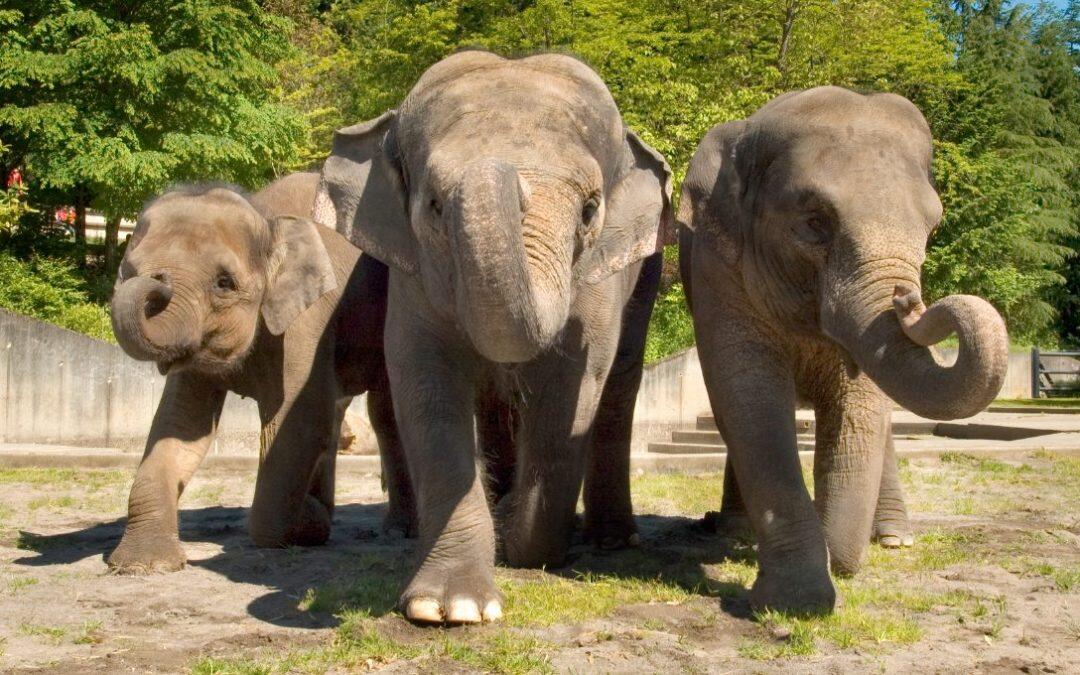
x=803 y=230
x=515 y=210
x=226 y=294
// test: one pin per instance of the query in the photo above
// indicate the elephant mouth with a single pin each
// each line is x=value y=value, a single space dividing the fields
x=175 y=364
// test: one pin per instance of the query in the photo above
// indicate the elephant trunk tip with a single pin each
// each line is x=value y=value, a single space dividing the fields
x=921 y=329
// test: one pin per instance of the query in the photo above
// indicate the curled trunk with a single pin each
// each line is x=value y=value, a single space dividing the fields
x=890 y=335
x=146 y=323
x=512 y=302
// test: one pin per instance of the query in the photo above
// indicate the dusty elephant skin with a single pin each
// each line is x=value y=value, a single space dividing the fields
x=803 y=231
x=515 y=211
x=227 y=295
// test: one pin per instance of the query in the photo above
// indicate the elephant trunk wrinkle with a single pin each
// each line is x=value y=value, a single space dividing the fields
x=511 y=291
x=878 y=318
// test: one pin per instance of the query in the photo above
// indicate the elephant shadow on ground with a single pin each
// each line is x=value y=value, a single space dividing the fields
x=362 y=569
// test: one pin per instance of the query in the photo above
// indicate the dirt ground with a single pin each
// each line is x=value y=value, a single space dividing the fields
x=992 y=585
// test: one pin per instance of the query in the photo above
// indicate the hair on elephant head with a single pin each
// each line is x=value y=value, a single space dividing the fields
x=503 y=184
x=202 y=268
x=824 y=201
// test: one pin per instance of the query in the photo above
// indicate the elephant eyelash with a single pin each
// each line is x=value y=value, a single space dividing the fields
x=589 y=210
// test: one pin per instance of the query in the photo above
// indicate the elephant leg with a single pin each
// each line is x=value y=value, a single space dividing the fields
x=401 y=505
x=609 y=513
x=557 y=414
x=496 y=427
x=752 y=391
x=434 y=396
x=891 y=526
x=731 y=520
x=299 y=441
x=183 y=429
x=850 y=443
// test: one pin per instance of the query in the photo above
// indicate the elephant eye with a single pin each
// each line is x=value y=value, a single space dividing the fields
x=589 y=210
x=814 y=229
x=436 y=206
x=225 y=282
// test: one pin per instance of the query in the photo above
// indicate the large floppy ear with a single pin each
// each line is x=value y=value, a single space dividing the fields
x=637 y=216
x=713 y=195
x=362 y=193
x=299 y=271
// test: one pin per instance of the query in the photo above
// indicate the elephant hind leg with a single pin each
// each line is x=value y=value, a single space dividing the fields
x=892 y=529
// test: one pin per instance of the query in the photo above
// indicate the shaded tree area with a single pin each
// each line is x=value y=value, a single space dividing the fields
x=239 y=91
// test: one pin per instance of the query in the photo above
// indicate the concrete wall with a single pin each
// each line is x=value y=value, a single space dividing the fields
x=60 y=387
x=672 y=393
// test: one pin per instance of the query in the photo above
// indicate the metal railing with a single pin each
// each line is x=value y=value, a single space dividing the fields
x=1050 y=381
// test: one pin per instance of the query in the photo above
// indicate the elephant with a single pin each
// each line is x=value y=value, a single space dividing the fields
x=228 y=293
x=520 y=219
x=803 y=231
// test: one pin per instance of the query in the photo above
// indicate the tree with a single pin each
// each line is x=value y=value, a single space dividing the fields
x=105 y=104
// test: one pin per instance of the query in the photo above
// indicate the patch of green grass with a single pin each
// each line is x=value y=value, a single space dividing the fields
x=89 y=633
x=689 y=494
x=846 y=628
x=982 y=464
x=51 y=503
x=19 y=583
x=1062 y=402
x=370 y=589
x=506 y=652
x=933 y=550
x=551 y=601
x=1065 y=578
x=92 y=479
x=206 y=494
x=53 y=634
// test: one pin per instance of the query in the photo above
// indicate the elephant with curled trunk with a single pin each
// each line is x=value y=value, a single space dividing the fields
x=803 y=232
x=515 y=210
x=227 y=294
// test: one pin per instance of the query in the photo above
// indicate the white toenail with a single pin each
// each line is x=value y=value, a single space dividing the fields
x=425 y=610
x=493 y=611
x=463 y=610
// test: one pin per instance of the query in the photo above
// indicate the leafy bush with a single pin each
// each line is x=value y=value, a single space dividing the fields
x=51 y=290
x=671 y=327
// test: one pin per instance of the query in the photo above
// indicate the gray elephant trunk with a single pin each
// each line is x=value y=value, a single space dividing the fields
x=511 y=297
x=146 y=322
x=888 y=331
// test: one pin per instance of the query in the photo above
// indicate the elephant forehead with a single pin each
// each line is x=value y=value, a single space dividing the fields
x=515 y=103
x=197 y=224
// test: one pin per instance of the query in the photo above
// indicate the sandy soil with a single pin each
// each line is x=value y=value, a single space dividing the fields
x=990 y=578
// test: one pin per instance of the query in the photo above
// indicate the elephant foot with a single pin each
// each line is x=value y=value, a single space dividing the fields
x=733 y=524
x=312 y=528
x=461 y=595
x=892 y=531
x=802 y=589
x=612 y=534
x=400 y=522
x=147 y=555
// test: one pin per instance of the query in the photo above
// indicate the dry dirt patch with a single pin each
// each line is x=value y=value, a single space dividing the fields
x=991 y=586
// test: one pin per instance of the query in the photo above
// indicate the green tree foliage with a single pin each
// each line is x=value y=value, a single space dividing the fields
x=105 y=103
x=51 y=290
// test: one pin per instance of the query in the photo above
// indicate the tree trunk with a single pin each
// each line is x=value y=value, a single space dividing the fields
x=785 y=37
x=112 y=233
x=80 y=230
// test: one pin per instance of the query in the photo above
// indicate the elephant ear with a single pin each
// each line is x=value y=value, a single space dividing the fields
x=299 y=272
x=362 y=193
x=714 y=190
x=638 y=219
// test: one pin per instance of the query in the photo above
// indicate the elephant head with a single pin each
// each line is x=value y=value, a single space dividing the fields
x=823 y=200
x=201 y=269
x=503 y=185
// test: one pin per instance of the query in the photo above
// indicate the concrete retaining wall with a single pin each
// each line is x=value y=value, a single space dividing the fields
x=673 y=394
x=60 y=387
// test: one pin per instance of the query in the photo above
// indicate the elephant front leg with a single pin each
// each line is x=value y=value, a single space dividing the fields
x=850 y=444
x=299 y=442
x=752 y=392
x=892 y=529
x=182 y=431
x=557 y=414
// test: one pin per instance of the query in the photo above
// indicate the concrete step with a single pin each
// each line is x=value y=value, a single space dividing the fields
x=805 y=426
x=713 y=437
x=672 y=448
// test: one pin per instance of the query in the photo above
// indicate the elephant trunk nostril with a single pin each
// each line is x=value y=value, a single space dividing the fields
x=158 y=296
